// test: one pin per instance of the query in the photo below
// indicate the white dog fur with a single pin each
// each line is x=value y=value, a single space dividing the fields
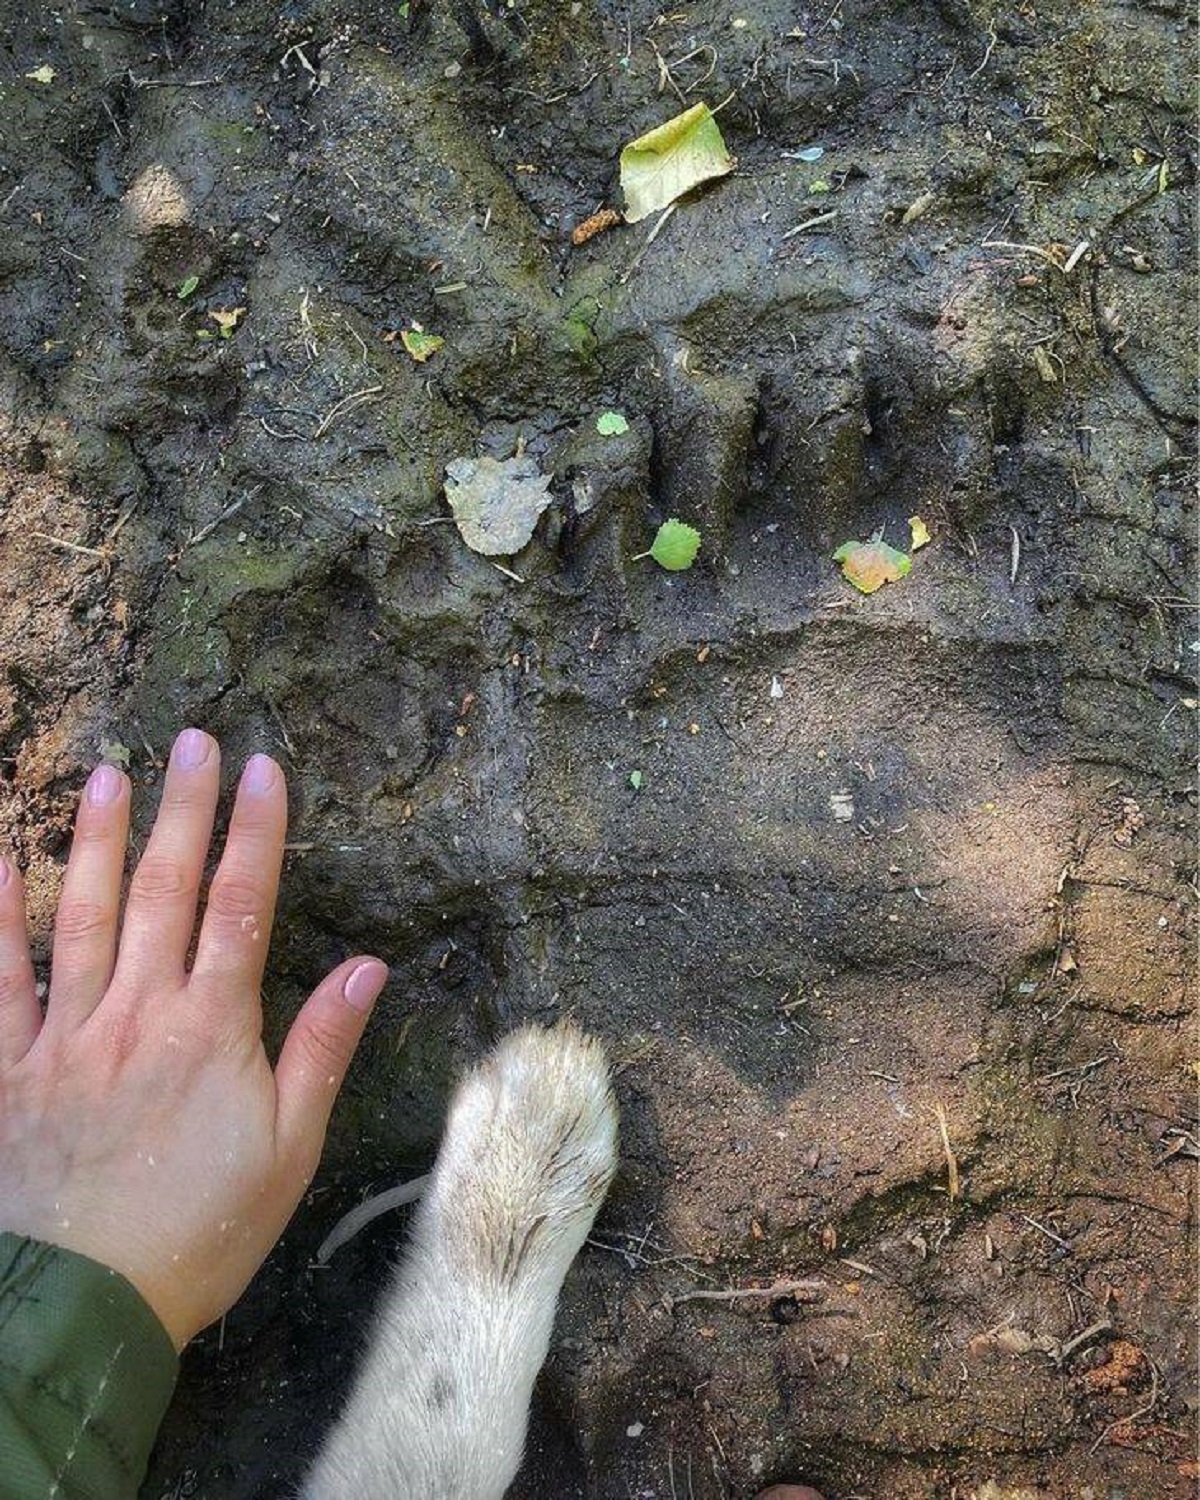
x=439 y=1409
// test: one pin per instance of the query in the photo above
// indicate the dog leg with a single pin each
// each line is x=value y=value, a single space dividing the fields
x=440 y=1406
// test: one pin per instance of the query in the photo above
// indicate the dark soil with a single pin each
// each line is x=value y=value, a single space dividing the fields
x=250 y=533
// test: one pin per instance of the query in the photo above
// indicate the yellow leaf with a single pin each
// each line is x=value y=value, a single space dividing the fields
x=44 y=74
x=419 y=344
x=670 y=160
x=920 y=533
x=869 y=565
x=227 y=319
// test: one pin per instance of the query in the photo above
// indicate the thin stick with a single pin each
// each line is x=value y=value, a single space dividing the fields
x=60 y=541
x=1049 y=1233
x=206 y=531
x=1144 y=1410
x=812 y=223
x=951 y=1161
x=355 y=398
x=358 y=1218
x=1080 y=1339
x=745 y=1293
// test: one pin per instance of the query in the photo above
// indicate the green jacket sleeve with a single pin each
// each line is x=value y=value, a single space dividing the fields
x=86 y=1372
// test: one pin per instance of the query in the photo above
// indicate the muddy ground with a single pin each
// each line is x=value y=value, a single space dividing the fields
x=250 y=533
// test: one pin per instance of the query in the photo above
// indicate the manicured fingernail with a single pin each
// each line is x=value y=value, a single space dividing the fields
x=192 y=749
x=5 y=872
x=363 y=984
x=104 y=786
x=260 y=775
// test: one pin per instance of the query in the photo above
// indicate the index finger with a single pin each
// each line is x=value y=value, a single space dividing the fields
x=236 y=930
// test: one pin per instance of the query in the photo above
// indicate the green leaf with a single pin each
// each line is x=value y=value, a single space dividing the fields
x=670 y=160
x=115 y=753
x=675 y=546
x=611 y=424
x=186 y=287
x=869 y=565
x=420 y=344
x=819 y=186
x=636 y=780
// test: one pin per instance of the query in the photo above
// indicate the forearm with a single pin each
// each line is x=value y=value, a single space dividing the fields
x=86 y=1372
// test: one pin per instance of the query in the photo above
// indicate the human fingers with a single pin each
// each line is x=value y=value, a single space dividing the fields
x=20 y=1016
x=317 y=1052
x=85 y=924
x=236 y=931
x=161 y=910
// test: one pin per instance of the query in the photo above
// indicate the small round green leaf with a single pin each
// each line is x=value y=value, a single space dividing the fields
x=611 y=424
x=675 y=546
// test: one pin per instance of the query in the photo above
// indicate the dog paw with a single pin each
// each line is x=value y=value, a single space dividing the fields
x=529 y=1151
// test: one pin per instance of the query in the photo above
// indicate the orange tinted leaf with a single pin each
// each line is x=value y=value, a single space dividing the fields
x=869 y=565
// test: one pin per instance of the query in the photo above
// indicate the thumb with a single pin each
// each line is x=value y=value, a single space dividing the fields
x=318 y=1050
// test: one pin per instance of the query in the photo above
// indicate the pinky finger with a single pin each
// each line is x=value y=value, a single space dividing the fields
x=20 y=1014
x=317 y=1053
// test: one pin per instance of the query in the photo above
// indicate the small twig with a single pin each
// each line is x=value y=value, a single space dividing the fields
x=230 y=510
x=1015 y=560
x=813 y=1289
x=355 y=398
x=811 y=223
x=173 y=83
x=61 y=541
x=1025 y=249
x=1144 y=1410
x=371 y=1208
x=1087 y=1067
x=648 y=241
x=1074 y=258
x=951 y=1160
x=1049 y=1233
x=1072 y=1345
x=987 y=51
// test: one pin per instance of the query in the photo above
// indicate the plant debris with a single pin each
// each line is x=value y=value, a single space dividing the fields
x=670 y=160
x=186 y=287
x=675 y=546
x=869 y=565
x=44 y=74
x=611 y=424
x=594 y=224
x=227 y=319
x=920 y=533
x=496 y=502
x=419 y=344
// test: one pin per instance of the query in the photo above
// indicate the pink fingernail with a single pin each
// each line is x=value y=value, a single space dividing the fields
x=363 y=984
x=104 y=786
x=192 y=749
x=260 y=775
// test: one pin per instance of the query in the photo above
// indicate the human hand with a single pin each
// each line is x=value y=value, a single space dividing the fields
x=140 y=1122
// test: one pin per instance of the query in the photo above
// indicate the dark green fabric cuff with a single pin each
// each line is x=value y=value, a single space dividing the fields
x=86 y=1372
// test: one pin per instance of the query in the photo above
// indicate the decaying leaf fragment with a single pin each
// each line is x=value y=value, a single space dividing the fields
x=496 y=502
x=869 y=565
x=670 y=160
x=418 y=344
